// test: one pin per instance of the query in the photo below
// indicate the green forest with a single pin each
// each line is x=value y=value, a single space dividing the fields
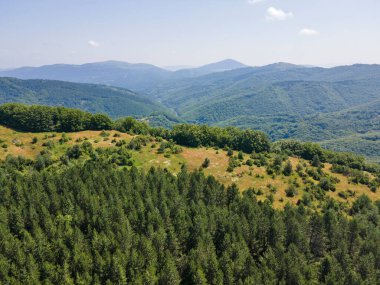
x=96 y=224
x=92 y=217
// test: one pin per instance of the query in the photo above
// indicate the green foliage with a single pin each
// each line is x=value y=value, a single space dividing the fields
x=291 y=191
x=316 y=161
x=94 y=222
x=43 y=118
x=288 y=169
x=131 y=125
x=74 y=152
x=362 y=204
x=327 y=184
x=341 y=161
x=206 y=163
x=201 y=135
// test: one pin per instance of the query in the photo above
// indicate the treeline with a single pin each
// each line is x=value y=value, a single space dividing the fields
x=98 y=224
x=310 y=151
x=36 y=118
x=201 y=135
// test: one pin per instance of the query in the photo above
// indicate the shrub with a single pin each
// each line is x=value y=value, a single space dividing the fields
x=64 y=138
x=230 y=168
x=49 y=144
x=288 y=169
x=206 y=163
x=74 y=152
x=327 y=184
x=249 y=162
x=291 y=191
x=316 y=161
x=104 y=134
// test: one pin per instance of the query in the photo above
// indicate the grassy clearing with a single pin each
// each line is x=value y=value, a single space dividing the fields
x=20 y=143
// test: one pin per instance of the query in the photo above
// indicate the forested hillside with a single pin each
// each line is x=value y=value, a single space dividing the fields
x=218 y=97
x=132 y=204
x=94 y=224
x=354 y=129
x=113 y=101
x=334 y=105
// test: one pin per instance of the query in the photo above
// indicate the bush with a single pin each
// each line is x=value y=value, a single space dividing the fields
x=291 y=191
x=49 y=144
x=230 y=168
x=64 y=138
x=362 y=204
x=343 y=194
x=327 y=184
x=316 y=161
x=104 y=134
x=288 y=169
x=249 y=162
x=206 y=163
x=74 y=152
x=306 y=199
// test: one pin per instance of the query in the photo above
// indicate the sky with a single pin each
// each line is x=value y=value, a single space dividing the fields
x=189 y=32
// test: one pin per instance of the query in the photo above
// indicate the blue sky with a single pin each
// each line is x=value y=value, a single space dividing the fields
x=191 y=32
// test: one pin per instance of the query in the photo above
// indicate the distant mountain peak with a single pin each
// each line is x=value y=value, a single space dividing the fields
x=226 y=64
x=282 y=66
x=220 y=66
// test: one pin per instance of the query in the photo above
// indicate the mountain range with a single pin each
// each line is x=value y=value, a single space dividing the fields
x=137 y=77
x=331 y=105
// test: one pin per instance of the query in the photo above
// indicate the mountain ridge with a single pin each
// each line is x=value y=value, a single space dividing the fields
x=114 y=101
x=134 y=76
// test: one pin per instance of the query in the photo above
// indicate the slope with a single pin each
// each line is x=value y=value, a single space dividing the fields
x=145 y=152
x=113 y=101
x=290 y=89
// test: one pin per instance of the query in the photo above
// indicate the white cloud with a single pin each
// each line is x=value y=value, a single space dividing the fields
x=274 y=14
x=253 y=2
x=308 y=32
x=93 y=43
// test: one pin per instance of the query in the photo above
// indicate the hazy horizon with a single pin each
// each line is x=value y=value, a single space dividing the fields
x=193 y=33
x=181 y=66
